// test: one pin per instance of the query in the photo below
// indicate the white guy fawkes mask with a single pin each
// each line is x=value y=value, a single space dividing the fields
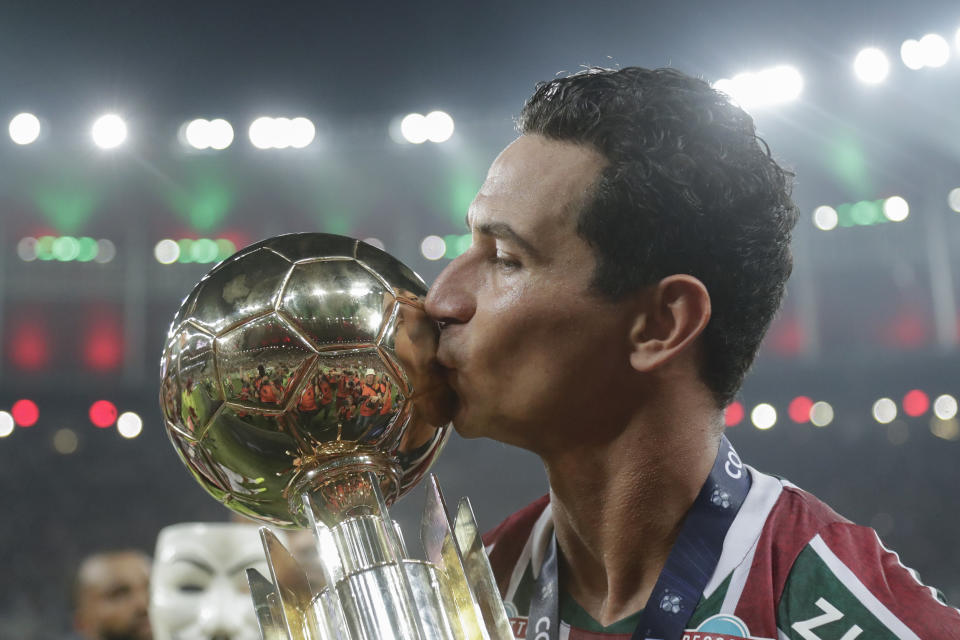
x=198 y=589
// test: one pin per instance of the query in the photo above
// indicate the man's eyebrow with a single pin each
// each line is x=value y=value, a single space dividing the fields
x=506 y=232
x=200 y=564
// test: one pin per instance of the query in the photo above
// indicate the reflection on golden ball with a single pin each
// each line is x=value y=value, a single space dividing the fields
x=299 y=357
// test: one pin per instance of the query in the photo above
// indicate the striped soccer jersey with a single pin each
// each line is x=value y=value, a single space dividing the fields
x=791 y=568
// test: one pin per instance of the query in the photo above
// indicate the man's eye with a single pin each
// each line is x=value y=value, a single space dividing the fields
x=506 y=261
x=190 y=588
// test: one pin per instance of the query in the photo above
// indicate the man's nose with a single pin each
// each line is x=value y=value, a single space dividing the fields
x=451 y=297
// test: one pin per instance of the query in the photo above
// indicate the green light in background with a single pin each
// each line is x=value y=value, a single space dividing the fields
x=45 y=247
x=87 y=250
x=186 y=245
x=225 y=248
x=867 y=212
x=848 y=163
x=204 y=205
x=203 y=250
x=67 y=209
x=336 y=223
x=66 y=248
x=456 y=245
x=461 y=190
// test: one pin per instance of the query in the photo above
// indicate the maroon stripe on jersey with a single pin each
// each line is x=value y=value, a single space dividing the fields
x=792 y=523
x=889 y=581
x=509 y=538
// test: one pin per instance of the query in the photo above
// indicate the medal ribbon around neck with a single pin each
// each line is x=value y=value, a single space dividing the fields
x=689 y=566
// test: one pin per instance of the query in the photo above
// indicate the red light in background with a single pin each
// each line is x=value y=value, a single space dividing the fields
x=733 y=414
x=103 y=414
x=103 y=342
x=30 y=346
x=916 y=403
x=799 y=409
x=25 y=412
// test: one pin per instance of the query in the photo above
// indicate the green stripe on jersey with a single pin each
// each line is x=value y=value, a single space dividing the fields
x=709 y=606
x=817 y=605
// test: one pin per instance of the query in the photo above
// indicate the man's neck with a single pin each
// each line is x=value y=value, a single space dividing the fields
x=618 y=507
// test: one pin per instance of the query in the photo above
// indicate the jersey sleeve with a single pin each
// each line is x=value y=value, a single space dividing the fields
x=845 y=585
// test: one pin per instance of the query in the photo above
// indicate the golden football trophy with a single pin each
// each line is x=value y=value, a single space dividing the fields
x=299 y=387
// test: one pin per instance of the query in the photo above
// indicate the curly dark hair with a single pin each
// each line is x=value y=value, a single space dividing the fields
x=689 y=188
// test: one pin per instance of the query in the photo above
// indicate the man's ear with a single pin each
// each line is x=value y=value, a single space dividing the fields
x=674 y=312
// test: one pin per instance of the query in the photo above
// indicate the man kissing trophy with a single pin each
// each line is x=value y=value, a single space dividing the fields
x=263 y=402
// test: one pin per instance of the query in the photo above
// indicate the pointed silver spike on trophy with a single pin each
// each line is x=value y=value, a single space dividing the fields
x=299 y=385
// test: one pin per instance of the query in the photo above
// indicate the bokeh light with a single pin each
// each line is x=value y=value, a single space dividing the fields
x=911 y=54
x=24 y=128
x=884 y=410
x=871 y=66
x=945 y=429
x=25 y=412
x=109 y=131
x=945 y=407
x=166 y=251
x=935 y=50
x=825 y=218
x=896 y=209
x=763 y=416
x=799 y=409
x=208 y=134
x=733 y=414
x=953 y=199
x=129 y=424
x=282 y=133
x=414 y=128
x=65 y=441
x=775 y=85
x=106 y=251
x=103 y=414
x=821 y=414
x=916 y=403
x=7 y=424
x=433 y=247
x=439 y=126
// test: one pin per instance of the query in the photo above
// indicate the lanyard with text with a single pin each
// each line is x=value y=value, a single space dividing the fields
x=691 y=562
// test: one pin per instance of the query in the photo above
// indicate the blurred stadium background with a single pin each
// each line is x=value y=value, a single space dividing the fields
x=231 y=122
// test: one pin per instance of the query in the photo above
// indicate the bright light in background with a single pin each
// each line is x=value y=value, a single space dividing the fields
x=25 y=412
x=109 y=131
x=414 y=128
x=433 y=247
x=953 y=199
x=106 y=251
x=24 y=128
x=281 y=133
x=896 y=209
x=129 y=424
x=166 y=251
x=871 y=65
x=103 y=414
x=931 y=50
x=935 y=50
x=821 y=414
x=375 y=242
x=763 y=416
x=800 y=408
x=775 y=85
x=733 y=414
x=439 y=126
x=65 y=441
x=916 y=403
x=825 y=218
x=945 y=407
x=208 y=134
x=884 y=410
x=6 y=424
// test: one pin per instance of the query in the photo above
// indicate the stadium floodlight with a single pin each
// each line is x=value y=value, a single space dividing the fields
x=302 y=132
x=911 y=54
x=884 y=410
x=414 y=128
x=871 y=66
x=208 y=134
x=433 y=247
x=935 y=50
x=896 y=209
x=24 y=128
x=821 y=414
x=763 y=416
x=775 y=85
x=261 y=132
x=439 y=126
x=109 y=131
x=825 y=218
x=953 y=199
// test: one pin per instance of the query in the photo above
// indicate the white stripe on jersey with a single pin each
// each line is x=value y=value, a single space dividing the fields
x=913 y=573
x=742 y=538
x=534 y=547
x=843 y=573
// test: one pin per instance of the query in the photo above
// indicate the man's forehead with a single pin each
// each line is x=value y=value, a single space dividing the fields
x=539 y=173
